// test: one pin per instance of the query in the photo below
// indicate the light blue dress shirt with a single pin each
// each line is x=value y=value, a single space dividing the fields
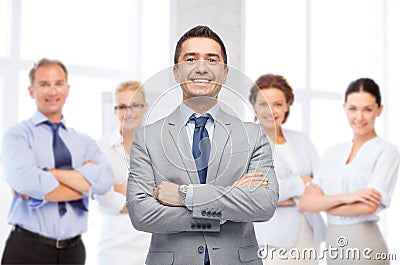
x=27 y=149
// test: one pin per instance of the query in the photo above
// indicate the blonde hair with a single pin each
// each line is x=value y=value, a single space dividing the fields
x=133 y=86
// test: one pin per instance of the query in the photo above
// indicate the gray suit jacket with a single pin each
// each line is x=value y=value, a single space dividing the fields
x=161 y=151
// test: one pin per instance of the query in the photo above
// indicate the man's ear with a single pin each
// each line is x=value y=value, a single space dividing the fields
x=31 y=92
x=226 y=70
x=176 y=73
x=68 y=89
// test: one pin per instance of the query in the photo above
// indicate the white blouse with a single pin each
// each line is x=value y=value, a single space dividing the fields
x=375 y=166
x=292 y=160
x=119 y=242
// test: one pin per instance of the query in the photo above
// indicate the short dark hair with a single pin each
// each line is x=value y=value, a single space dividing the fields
x=366 y=85
x=200 y=32
x=46 y=62
x=268 y=81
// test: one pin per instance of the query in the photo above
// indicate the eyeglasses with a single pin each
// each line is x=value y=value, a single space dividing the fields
x=130 y=107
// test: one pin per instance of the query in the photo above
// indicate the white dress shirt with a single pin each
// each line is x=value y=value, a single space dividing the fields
x=375 y=166
x=119 y=242
x=296 y=158
x=187 y=113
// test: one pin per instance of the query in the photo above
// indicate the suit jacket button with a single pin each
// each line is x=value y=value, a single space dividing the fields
x=193 y=226
x=208 y=213
x=204 y=226
x=200 y=249
x=203 y=213
x=198 y=225
x=219 y=214
x=214 y=214
x=209 y=226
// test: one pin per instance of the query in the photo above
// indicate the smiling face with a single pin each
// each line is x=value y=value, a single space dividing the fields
x=50 y=90
x=361 y=110
x=131 y=108
x=270 y=107
x=200 y=70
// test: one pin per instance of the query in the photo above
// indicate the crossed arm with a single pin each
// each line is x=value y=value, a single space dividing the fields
x=71 y=184
x=290 y=201
x=154 y=208
x=363 y=201
x=167 y=192
x=28 y=180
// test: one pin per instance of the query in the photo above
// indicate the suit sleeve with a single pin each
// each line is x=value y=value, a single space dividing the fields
x=145 y=212
x=242 y=204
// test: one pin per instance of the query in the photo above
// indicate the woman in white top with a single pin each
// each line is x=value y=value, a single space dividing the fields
x=119 y=242
x=356 y=181
x=295 y=160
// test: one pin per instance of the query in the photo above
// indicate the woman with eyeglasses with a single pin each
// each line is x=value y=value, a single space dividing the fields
x=356 y=181
x=295 y=161
x=119 y=242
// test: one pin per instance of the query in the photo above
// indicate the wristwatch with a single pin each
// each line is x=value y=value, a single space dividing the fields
x=183 y=189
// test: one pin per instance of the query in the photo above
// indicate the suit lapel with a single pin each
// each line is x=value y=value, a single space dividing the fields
x=220 y=141
x=179 y=152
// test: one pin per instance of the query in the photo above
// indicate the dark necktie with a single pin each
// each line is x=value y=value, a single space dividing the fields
x=201 y=147
x=62 y=160
x=201 y=153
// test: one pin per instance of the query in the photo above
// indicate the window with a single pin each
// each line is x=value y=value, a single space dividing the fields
x=346 y=43
x=320 y=49
x=5 y=11
x=105 y=39
x=276 y=39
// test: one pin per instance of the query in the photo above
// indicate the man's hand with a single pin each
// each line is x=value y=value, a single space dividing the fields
x=167 y=194
x=252 y=179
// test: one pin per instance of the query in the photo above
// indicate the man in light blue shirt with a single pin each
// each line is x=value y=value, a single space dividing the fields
x=49 y=207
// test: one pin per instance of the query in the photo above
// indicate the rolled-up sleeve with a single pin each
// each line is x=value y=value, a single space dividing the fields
x=98 y=174
x=23 y=174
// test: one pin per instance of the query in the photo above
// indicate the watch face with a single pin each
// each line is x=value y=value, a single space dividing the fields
x=182 y=193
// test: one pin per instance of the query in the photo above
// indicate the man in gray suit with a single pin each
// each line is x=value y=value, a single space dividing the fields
x=201 y=212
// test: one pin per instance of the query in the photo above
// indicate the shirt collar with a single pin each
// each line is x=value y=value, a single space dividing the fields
x=188 y=112
x=38 y=118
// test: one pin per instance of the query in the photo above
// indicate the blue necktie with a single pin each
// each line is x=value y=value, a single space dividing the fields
x=201 y=153
x=63 y=160
x=201 y=147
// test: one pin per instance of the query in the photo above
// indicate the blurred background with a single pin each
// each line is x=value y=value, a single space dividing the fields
x=318 y=45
